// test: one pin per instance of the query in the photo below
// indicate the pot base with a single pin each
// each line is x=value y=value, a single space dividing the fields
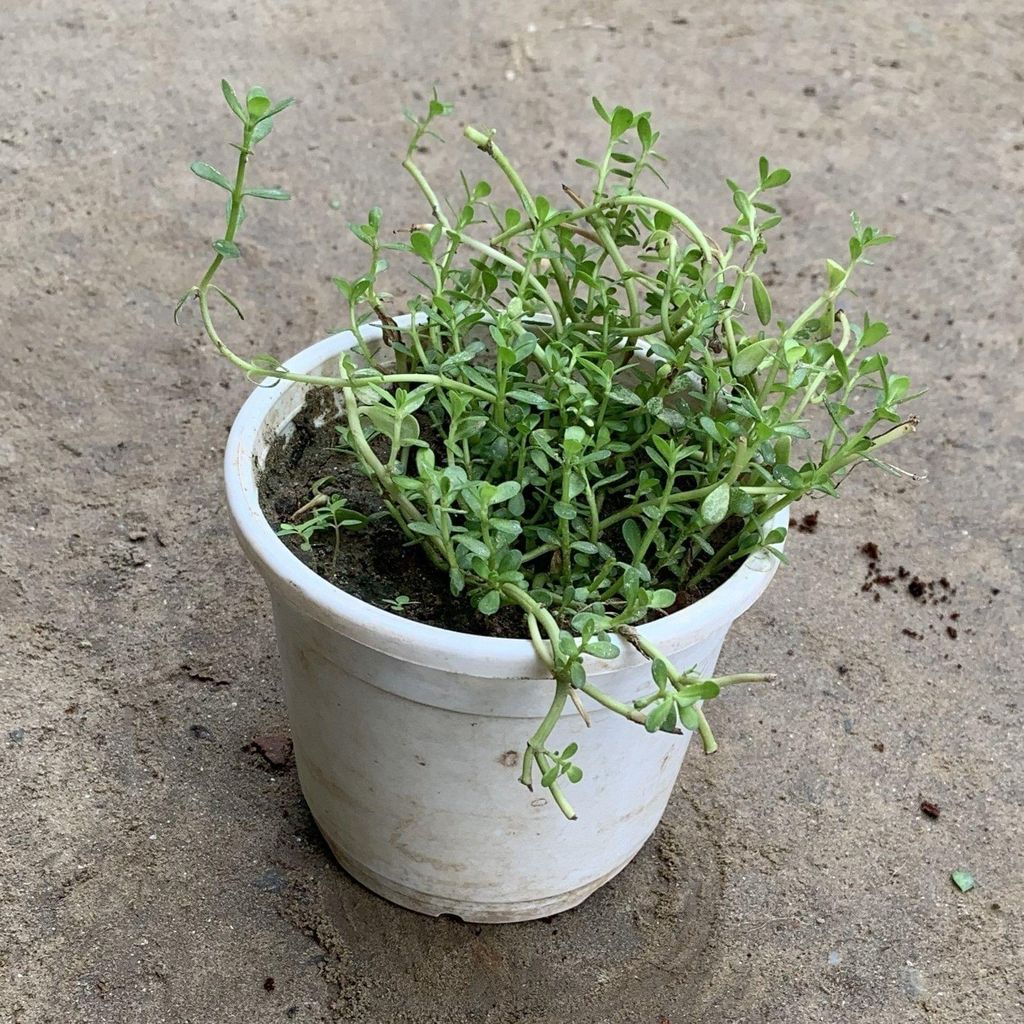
x=470 y=911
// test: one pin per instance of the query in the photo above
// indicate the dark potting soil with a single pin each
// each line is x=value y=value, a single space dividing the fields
x=377 y=563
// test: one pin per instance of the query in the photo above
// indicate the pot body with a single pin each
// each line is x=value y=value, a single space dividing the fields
x=408 y=738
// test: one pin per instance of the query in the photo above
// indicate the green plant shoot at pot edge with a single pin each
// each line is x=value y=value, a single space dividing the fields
x=596 y=408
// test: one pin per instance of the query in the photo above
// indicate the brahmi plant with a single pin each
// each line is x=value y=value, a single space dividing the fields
x=594 y=411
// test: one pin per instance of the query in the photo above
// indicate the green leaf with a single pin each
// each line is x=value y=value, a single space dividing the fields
x=661 y=599
x=658 y=714
x=873 y=334
x=277 y=108
x=788 y=477
x=643 y=132
x=473 y=544
x=624 y=396
x=573 y=773
x=489 y=603
x=457 y=581
x=573 y=441
x=227 y=249
x=703 y=690
x=835 y=273
x=420 y=245
x=601 y=112
x=262 y=129
x=740 y=503
x=268 y=193
x=631 y=535
x=621 y=121
x=750 y=357
x=711 y=428
x=673 y=418
x=742 y=203
x=257 y=103
x=962 y=879
x=762 y=302
x=660 y=672
x=715 y=506
x=602 y=649
x=778 y=177
x=792 y=430
x=208 y=173
x=690 y=719
x=424 y=529
x=504 y=492
x=262 y=362
x=233 y=101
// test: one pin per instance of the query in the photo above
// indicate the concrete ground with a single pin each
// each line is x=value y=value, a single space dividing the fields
x=153 y=868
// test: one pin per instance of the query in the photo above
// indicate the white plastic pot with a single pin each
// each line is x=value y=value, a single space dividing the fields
x=408 y=737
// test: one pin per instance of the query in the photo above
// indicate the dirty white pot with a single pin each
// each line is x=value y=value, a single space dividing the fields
x=408 y=737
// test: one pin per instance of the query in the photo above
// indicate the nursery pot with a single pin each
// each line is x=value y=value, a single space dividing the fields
x=408 y=737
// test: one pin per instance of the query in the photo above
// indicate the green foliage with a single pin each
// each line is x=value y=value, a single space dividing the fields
x=324 y=514
x=612 y=420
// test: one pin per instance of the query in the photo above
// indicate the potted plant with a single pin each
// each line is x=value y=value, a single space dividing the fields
x=590 y=425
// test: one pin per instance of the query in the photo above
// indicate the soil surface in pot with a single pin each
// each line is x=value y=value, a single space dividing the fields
x=376 y=564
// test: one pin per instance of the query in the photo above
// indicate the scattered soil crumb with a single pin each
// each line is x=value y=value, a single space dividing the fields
x=276 y=750
x=929 y=809
x=806 y=524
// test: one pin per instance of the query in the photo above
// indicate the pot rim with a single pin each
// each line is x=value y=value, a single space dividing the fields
x=332 y=605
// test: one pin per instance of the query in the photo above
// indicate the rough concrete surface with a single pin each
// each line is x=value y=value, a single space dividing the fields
x=151 y=867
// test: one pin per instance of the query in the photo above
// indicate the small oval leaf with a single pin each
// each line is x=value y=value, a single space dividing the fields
x=233 y=101
x=762 y=302
x=748 y=359
x=268 y=193
x=715 y=507
x=208 y=173
x=227 y=249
